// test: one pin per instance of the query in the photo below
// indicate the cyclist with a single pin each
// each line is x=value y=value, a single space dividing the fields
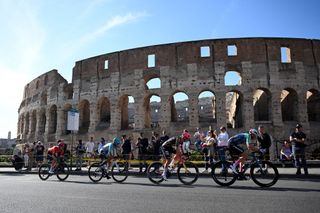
x=241 y=144
x=169 y=147
x=109 y=151
x=55 y=154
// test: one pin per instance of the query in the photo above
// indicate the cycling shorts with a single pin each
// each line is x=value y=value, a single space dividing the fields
x=238 y=149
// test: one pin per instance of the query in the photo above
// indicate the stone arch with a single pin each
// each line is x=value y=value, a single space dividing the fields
x=127 y=109
x=46 y=80
x=289 y=104
x=43 y=100
x=84 y=116
x=103 y=113
x=68 y=91
x=22 y=124
x=154 y=82
x=313 y=105
x=42 y=121
x=53 y=119
x=234 y=108
x=179 y=102
x=232 y=78
x=27 y=124
x=151 y=105
x=66 y=109
x=33 y=121
x=262 y=104
x=207 y=106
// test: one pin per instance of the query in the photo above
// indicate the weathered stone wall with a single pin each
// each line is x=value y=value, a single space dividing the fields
x=101 y=95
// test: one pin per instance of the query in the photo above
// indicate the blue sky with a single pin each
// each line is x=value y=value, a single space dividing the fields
x=40 y=35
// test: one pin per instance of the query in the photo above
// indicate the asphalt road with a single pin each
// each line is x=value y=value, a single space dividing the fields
x=27 y=193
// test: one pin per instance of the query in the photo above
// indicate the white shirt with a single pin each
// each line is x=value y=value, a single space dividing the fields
x=90 y=146
x=223 y=138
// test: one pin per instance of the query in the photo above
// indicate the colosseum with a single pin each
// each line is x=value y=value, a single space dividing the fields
x=278 y=86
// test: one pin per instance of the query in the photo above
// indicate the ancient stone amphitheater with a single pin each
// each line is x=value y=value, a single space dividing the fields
x=278 y=86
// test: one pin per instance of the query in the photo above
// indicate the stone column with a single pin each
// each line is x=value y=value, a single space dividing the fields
x=165 y=116
x=139 y=113
x=60 y=122
x=115 y=119
x=193 y=111
x=221 y=108
x=248 y=110
x=93 y=118
x=48 y=121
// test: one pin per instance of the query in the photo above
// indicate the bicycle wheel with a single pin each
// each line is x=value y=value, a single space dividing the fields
x=188 y=173
x=154 y=172
x=264 y=173
x=44 y=172
x=119 y=171
x=63 y=172
x=222 y=174
x=95 y=172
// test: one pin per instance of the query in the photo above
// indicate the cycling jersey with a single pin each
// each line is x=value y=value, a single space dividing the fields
x=55 y=150
x=167 y=147
x=242 y=138
x=108 y=150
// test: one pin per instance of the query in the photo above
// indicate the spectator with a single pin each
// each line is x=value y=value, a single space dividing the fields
x=80 y=150
x=264 y=141
x=39 y=150
x=198 y=137
x=126 y=148
x=90 y=150
x=209 y=149
x=26 y=153
x=297 y=139
x=164 y=137
x=286 y=153
x=156 y=146
x=142 y=145
x=101 y=144
x=222 y=144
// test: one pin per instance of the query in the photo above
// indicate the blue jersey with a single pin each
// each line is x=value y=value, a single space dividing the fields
x=109 y=150
x=242 y=138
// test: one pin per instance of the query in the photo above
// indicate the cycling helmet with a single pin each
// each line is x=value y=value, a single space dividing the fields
x=253 y=131
x=116 y=141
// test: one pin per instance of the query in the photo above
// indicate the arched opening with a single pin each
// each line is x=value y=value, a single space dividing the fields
x=289 y=105
x=68 y=91
x=27 y=124
x=84 y=116
x=313 y=105
x=45 y=80
x=207 y=107
x=66 y=109
x=262 y=105
x=37 y=84
x=103 y=112
x=232 y=78
x=127 y=109
x=152 y=106
x=179 y=107
x=154 y=83
x=33 y=121
x=53 y=119
x=234 y=105
x=22 y=124
x=42 y=122
x=43 y=100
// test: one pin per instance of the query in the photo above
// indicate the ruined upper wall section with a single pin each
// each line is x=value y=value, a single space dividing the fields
x=256 y=50
x=42 y=86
